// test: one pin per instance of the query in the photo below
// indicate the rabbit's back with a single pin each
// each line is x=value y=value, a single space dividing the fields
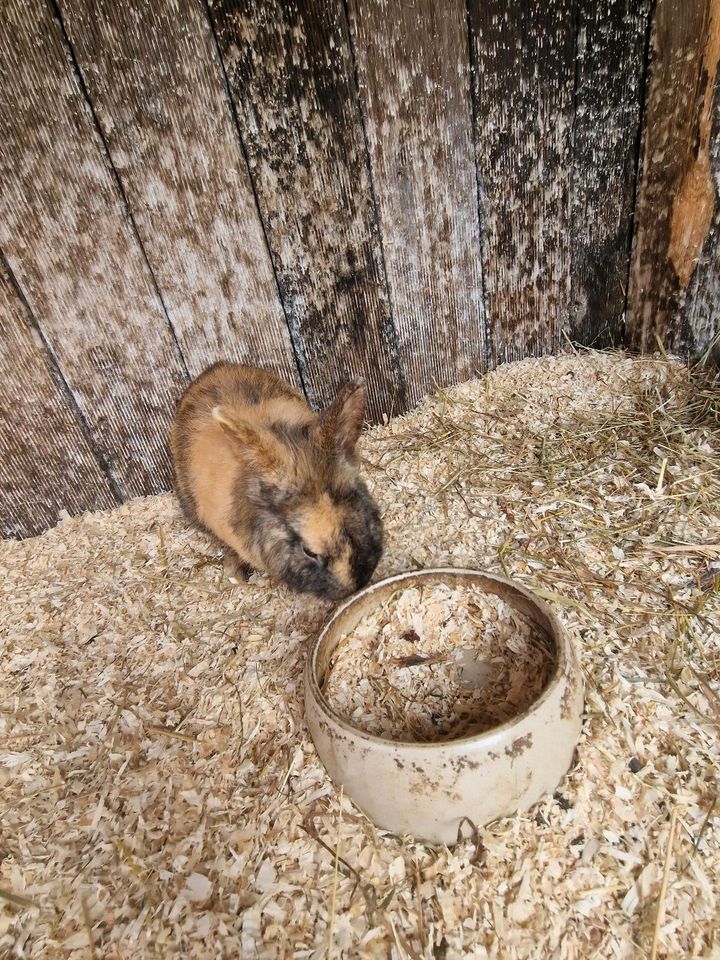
x=206 y=470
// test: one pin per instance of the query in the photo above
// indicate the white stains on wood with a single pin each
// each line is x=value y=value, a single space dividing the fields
x=677 y=192
x=610 y=64
x=379 y=275
x=525 y=64
x=66 y=236
x=415 y=90
x=291 y=75
x=703 y=311
x=156 y=84
x=45 y=460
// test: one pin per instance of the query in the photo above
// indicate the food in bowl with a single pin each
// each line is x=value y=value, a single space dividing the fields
x=437 y=662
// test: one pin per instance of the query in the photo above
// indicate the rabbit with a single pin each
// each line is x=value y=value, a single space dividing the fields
x=277 y=484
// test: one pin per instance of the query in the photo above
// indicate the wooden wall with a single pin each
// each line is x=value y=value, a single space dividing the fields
x=411 y=191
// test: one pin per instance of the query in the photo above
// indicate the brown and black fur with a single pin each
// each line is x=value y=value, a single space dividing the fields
x=277 y=484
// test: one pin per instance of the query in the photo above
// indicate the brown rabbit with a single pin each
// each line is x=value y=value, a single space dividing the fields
x=276 y=483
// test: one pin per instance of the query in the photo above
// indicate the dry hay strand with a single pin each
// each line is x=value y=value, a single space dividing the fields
x=159 y=795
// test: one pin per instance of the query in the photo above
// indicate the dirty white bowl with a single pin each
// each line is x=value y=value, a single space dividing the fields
x=429 y=789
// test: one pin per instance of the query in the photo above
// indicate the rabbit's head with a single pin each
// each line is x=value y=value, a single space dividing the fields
x=302 y=499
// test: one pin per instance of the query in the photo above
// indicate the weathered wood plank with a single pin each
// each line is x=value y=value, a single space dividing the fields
x=703 y=307
x=157 y=87
x=46 y=462
x=414 y=82
x=65 y=233
x=291 y=76
x=524 y=67
x=677 y=194
x=608 y=93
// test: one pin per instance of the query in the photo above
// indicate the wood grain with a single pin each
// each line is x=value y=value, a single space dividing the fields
x=611 y=43
x=46 y=462
x=524 y=67
x=677 y=194
x=291 y=75
x=703 y=307
x=414 y=82
x=157 y=87
x=67 y=239
x=701 y=320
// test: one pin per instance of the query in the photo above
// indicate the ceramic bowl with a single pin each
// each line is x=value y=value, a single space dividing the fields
x=430 y=789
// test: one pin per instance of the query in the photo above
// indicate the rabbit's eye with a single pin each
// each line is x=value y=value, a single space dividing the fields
x=315 y=557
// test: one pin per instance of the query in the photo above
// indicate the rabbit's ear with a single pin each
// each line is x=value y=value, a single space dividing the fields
x=250 y=444
x=342 y=422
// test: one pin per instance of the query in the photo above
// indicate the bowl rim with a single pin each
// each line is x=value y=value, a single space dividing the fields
x=562 y=643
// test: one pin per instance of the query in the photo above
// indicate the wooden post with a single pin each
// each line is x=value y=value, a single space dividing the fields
x=46 y=459
x=65 y=232
x=414 y=73
x=157 y=88
x=524 y=71
x=611 y=55
x=291 y=76
x=677 y=215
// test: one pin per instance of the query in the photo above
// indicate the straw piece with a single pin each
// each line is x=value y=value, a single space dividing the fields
x=333 y=896
x=663 y=888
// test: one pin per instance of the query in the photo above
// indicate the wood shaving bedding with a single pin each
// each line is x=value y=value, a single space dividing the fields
x=159 y=795
x=438 y=663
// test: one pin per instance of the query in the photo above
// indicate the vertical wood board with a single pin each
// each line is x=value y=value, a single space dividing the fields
x=703 y=308
x=414 y=80
x=291 y=76
x=677 y=193
x=157 y=87
x=524 y=63
x=46 y=462
x=608 y=94
x=65 y=232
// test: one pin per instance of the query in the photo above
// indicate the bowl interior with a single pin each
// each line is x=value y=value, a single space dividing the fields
x=346 y=618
